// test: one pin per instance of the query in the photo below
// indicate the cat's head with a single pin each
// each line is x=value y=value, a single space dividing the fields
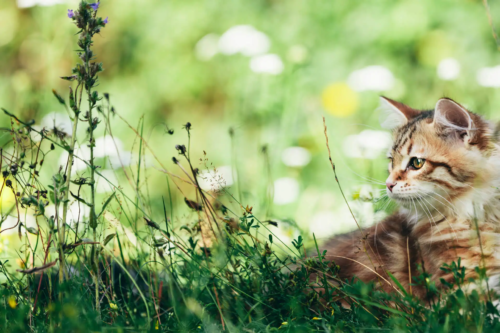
x=438 y=156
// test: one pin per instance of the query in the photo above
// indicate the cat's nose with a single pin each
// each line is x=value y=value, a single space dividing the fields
x=390 y=185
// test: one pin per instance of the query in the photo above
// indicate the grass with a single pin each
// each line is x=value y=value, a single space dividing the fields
x=126 y=267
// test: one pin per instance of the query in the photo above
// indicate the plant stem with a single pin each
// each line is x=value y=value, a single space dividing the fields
x=62 y=235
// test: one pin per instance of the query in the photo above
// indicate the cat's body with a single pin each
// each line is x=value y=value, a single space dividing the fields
x=445 y=174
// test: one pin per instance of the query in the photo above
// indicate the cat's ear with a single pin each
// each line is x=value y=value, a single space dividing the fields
x=451 y=116
x=395 y=114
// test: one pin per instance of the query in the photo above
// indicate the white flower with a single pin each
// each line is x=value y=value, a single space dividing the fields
x=267 y=63
x=489 y=77
x=367 y=144
x=244 y=39
x=283 y=233
x=82 y=154
x=326 y=223
x=448 y=69
x=376 y=78
x=216 y=180
x=59 y=120
x=286 y=190
x=296 y=157
x=206 y=47
x=106 y=146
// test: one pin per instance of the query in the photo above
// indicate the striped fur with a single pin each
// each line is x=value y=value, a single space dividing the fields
x=449 y=208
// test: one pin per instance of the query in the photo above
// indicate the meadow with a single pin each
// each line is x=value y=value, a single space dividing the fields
x=165 y=163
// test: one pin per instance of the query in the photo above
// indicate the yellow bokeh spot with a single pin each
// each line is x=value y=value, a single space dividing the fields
x=339 y=99
x=12 y=302
x=434 y=47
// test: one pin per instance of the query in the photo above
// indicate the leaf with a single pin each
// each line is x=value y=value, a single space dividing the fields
x=32 y=230
x=185 y=228
x=272 y=222
x=152 y=224
x=69 y=78
x=80 y=199
x=37 y=269
x=106 y=204
x=59 y=97
x=160 y=242
x=193 y=205
x=109 y=238
x=393 y=278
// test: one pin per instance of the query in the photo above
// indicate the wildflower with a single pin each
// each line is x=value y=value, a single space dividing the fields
x=285 y=323
x=12 y=302
x=181 y=149
x=113 y=306
x=316 y=318
x=70 y=13
x=95 y=6
x=105 y=20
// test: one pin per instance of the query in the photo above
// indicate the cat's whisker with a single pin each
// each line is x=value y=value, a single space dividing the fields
x=451 y=206
x=430 y=220
x=448 y=203
x=445 y=219
x=426 y=211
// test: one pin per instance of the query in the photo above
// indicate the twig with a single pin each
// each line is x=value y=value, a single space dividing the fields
x=490 y=20
x=363 y=240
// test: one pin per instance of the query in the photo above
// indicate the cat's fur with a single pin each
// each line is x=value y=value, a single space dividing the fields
x=457 y=189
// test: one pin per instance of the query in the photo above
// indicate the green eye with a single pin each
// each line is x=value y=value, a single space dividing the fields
x=417 y=163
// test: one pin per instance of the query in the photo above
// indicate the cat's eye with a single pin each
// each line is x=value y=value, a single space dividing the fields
x=416 y=163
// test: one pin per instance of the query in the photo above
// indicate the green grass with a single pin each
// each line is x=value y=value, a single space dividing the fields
x=137 y=263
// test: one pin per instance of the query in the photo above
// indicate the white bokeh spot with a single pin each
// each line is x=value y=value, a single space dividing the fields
x=207 y=47
x=296 y=157
x=244 y=39
x=489 y=77
x=286 y=190
x=448 y=69
x=31 y=3
x=375 y=78
x=267 y=64
x=367 y=144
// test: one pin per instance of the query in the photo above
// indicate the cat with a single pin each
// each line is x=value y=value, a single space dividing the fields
x=444 y=172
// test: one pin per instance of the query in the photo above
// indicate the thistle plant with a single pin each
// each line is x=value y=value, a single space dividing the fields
x=85 y=74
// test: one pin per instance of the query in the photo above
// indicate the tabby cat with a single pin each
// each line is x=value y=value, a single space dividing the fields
x=444 y=172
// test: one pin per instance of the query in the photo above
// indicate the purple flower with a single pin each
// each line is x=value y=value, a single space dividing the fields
x=94 y=6
x=105 y=20
x=70 y=13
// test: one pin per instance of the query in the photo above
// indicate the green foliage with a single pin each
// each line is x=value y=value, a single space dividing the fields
x=130 y=267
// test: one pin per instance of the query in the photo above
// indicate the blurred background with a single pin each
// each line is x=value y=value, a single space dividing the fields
x=254 y=78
